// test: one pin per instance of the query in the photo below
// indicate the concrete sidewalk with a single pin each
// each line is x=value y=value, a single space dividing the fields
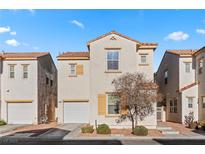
x=9 y=128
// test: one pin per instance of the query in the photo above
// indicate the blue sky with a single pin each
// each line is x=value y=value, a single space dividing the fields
x=69 y=30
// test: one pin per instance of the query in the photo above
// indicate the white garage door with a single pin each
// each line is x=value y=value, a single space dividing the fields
x=76 y=112
x=20 y=113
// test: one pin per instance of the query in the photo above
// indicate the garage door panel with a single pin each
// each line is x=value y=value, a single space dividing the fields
x=76 y=112
x=20 y=113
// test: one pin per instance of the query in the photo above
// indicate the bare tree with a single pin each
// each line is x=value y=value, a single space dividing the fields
x=137 y=95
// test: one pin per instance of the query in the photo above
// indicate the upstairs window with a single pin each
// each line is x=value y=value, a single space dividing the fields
x=166 y=77
x=47 y=80
x=203 y=101
x=113 y=104
x=11 y=71
x=200 y=65
x=72 y=70
x=25 y=71
x=143 y=59
x=187 y=67
x=190 y=102
x=112 y=60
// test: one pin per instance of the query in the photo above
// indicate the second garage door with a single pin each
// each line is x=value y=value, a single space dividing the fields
x=76 y=112
x=20 y=113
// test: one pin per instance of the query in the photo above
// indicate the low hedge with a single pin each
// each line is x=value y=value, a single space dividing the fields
x=103 y=129
x=202 y=124
x=140 y=131
x=87 y=129
x=2 y=122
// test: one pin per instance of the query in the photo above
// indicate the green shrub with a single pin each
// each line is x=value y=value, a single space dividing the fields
x=2 y=122
x=87 y=129
x=140 y=131
x=103 y=129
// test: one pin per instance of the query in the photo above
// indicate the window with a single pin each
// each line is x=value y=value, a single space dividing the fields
x=113 y=104
x=200 y=65
x=25 y=71
x=51 y=83
x=187 y=67
x=173 y=106
x=11 y=73
x=72 y=69
x=190 y=102
x=47 y=80
x=203 y=101
x=143 y=59
x=166 y=77
x=112 y=60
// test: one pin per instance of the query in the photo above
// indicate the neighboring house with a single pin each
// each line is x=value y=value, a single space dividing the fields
x=28 y=87
x=84 y=79
x=176 y=77
x=200 y=77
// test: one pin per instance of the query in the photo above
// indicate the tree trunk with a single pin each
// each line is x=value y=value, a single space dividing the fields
x=133 y=124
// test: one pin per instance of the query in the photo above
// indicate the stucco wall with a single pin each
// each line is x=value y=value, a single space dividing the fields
x=47 y=93
x=201 y=79
x=100 y=81
x=72 y=88
x=184 y=77
x=191 y=92
x=170 y=62
x=19 y=88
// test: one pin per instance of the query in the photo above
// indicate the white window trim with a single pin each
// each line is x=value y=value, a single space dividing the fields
x=107 y=113
x=189 y=102
x=119 y=61
x=145 y=55
x=185 y=64
x=9 y=71
x=70 y=69
x=25 y=71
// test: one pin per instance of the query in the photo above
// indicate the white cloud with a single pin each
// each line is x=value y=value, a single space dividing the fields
x=78 y=23
x=13 y=33
x=31 y=11
x=12 y=42
x=35 y=48
x=177 y=36
x=200 y=31
x=5 y=29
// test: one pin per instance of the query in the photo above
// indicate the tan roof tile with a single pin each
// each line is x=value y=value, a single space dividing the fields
x=23 y=55
x=74 y=55
x=182 y=52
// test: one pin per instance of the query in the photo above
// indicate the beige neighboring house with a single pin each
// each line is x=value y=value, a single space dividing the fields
x=84 y=79
x=200 y=77
x=176 y=77
x=28 y=84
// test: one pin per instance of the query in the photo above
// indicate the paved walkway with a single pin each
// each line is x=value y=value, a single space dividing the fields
x=184 y=132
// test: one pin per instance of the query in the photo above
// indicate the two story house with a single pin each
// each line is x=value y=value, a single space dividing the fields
x=176 y=77
x=200 y=77
x=28 y=87
x=84 y=79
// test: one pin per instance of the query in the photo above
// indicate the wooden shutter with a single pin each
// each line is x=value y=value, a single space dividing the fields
x=102 y=104
x=79 y=69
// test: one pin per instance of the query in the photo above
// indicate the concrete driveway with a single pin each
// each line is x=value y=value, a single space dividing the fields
x=8 y=128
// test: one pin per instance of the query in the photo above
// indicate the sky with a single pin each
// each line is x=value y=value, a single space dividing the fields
x=57 y=31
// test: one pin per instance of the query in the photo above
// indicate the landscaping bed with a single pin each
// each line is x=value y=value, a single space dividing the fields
x=121 y=132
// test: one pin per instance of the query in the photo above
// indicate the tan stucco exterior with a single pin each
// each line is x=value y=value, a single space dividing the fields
x=201 y=79
x=97 y=80
x=181 y=85
x=30 y=90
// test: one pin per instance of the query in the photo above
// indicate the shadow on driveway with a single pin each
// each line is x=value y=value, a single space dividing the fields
x=180 y=141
